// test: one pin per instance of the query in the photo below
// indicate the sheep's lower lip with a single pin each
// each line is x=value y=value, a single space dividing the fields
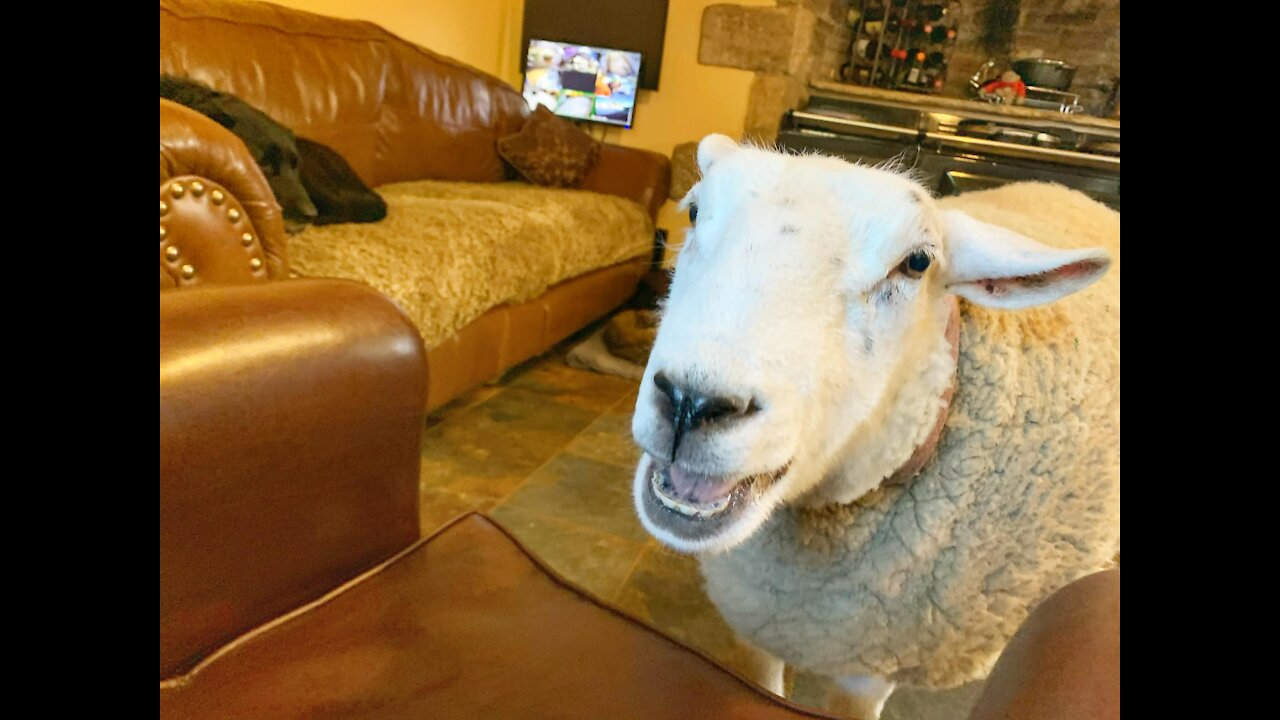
x=694 y=520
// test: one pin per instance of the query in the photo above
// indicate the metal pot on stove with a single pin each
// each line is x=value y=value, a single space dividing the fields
x=1050 y=74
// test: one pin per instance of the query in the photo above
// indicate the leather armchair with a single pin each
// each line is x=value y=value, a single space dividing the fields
x=290 y=422
x=290 y=412
x=293 y=582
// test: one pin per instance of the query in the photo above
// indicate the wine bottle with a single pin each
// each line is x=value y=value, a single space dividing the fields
x=940 y=33
x=935 y=70
x=914 y=74
x=867 y=48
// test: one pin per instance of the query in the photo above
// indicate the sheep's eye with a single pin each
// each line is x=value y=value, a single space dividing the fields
x=915 y=264
x=693 y=214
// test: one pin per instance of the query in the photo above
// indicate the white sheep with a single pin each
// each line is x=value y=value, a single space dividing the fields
x=802 y=374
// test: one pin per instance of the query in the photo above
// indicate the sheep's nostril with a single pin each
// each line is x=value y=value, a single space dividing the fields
x=712 y=408
x=690 y=408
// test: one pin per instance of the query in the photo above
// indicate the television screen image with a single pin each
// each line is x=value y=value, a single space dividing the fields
x=582 y=82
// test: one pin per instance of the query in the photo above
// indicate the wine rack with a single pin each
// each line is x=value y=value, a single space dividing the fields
x=901 y=44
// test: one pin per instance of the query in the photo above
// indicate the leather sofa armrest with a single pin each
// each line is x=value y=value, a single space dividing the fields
x=290 y=427
x=638 y=175
x=218 y=214
x=1064 y=662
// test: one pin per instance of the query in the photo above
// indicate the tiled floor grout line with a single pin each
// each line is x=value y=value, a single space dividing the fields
x=627 y=399
x=566 y=521
x=547 y=462
x=644 y=547
x=617 y=593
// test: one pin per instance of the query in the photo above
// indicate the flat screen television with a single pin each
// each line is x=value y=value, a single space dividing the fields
x=582 y=82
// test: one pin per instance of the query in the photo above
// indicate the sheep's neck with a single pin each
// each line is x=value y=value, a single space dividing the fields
x=925 y=451
x=887 y=453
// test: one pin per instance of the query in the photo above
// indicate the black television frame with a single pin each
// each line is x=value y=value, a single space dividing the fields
x=639 y=25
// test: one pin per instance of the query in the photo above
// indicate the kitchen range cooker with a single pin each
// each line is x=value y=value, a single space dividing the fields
x=957 y=151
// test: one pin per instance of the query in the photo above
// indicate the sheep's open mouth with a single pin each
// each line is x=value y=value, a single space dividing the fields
x=693 y=506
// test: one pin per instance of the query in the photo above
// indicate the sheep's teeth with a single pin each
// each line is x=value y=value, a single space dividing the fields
x=683 y=508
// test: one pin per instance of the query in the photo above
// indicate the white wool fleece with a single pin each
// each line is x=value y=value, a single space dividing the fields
x=924 y=583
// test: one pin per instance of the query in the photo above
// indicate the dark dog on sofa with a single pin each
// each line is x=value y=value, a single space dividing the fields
x=312 y=183
x=338 y=193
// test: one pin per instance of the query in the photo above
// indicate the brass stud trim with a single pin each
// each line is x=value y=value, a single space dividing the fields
x=164 y=207
x=177 y=191
x=163 y=232
x=233 y=215
x=197 y=188
x=171 y=253
x=246 y=239
x=217 y=197
x=255 y=264
x=188 y=272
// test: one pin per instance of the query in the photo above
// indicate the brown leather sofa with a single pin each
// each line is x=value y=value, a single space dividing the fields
x=396 y=112
x=293 y=582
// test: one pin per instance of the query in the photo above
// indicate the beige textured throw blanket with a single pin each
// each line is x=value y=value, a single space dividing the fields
x=450 y=251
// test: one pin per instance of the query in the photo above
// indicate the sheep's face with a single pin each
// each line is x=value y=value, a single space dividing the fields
x=807 y=289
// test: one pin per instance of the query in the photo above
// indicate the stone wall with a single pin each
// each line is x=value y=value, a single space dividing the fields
x=1085 y=33
x=797 y=41
x=785 y=46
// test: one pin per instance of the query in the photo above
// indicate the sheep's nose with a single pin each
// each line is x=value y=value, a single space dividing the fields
x=690 y=408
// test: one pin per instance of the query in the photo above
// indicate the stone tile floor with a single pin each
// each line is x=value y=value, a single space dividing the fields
x=546 y=451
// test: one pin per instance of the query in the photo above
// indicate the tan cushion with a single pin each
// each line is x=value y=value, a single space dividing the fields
x=466 y=624
x=450 y=251
x=550 y=151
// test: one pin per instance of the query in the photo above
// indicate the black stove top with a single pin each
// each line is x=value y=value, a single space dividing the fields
x=958 y=151
x=1064 y=141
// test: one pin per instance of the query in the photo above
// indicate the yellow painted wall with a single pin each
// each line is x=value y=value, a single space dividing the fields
x=694 y=100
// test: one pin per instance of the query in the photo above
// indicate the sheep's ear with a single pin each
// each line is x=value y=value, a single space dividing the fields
x=999 y=268
x=712 y=148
